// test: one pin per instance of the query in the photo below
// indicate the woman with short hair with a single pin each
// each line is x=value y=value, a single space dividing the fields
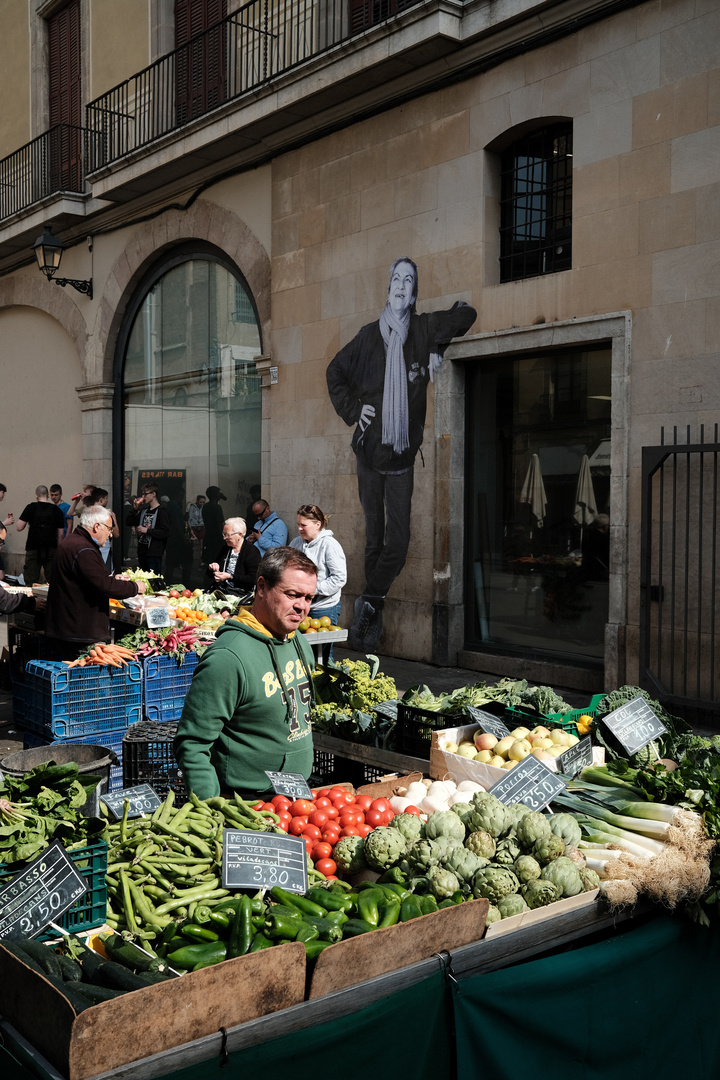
x=235 y=569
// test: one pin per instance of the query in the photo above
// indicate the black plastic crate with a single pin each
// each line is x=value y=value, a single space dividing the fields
x=415 y=727
x=148 y=755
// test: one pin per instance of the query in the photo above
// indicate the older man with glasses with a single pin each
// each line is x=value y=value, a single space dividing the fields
x=235 y=568
x=78 y=612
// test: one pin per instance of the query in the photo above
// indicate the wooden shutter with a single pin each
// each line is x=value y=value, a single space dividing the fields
x=200 y=69
x=65 y=98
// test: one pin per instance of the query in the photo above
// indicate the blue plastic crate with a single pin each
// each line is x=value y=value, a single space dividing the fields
x=111 y=739
x=165 y=684
x=67 y=703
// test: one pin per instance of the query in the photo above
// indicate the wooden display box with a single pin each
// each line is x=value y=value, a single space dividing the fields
x=152 y=1020
x=377 y=953
x=445 y=766
x=540 y=915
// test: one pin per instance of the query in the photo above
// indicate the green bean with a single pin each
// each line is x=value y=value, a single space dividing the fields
x=181 y=814
x=127 y=901
x=191 y=841
x=205 y=893
x=149 y=915
x=156 y=875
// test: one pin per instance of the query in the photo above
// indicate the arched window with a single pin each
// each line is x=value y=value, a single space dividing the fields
x=190 y=397
x=536 y=203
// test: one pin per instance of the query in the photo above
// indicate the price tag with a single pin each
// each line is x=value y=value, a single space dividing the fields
x=529 y=782
x=488 y=723
x=388 y=709
x=292 y=784
x=143 y=800
x=576 y=757
x=634 y=725
x=260 y=860
x=157 y=617
x=39 y=894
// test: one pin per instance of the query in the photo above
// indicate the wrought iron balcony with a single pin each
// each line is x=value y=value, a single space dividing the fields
x=50 y=164
x=261 y=40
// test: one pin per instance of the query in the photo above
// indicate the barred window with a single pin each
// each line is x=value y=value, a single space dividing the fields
x=536 y=204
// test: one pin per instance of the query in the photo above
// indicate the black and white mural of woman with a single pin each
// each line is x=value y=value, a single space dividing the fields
x=378 y=383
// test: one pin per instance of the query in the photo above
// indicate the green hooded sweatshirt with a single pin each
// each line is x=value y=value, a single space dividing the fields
x=246 y=711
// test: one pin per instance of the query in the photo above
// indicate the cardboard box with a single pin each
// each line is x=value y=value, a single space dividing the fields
x=148 y=1021
x=538 y=915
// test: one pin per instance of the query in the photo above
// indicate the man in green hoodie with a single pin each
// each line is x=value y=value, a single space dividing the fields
x=248 y=704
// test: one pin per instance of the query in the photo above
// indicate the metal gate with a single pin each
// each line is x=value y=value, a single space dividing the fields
x=680 y=563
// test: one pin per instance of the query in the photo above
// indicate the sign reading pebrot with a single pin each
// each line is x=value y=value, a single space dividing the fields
x=260 y=860
x=39 y=894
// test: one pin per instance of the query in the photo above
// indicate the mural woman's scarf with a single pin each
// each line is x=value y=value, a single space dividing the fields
x=395 y=415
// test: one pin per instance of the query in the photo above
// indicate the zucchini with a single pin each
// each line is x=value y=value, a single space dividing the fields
x=42 y=955
x=20 y=954
x=117 y=977
x=95 y=994
x=71 y=970
x=124 y=952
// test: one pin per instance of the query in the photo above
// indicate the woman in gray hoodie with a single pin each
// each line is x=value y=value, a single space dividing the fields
x=318 y=543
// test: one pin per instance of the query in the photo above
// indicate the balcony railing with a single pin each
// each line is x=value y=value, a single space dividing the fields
x=261 y=40
x=48 y=165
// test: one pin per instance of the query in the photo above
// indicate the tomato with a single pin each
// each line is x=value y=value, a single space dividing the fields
x=339 y=801
x=412 y=810
x=321 y=793
x=332 y=877
x=337 y=790
x=363 y=830
x=331 y=836
x=326 y=866
x=174 y=594
x=308 y=844
x=364 y=802
x=297 y=825
x=284 y=825
x=351 y=817
x=321 y=850
x=284 y=815
x=312 y=831
x=374 y=818
x=319 y=818
x=381 y=804
x=186 y=592
x=332 y=811
x=322 y=803
x=258 y=805
x=350 y=830
x=388 y=815
x=302 y=808
x=281 y=802
x=269 y=807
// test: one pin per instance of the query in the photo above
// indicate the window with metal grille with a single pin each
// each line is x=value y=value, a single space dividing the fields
x=536 y=204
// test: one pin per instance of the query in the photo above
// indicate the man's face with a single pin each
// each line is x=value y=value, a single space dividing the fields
x=403 y=287
x=260 y=512
x=56 y=496
x=284 y=606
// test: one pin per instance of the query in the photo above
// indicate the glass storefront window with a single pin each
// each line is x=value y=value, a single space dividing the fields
x=538 y=492
x=192 y=401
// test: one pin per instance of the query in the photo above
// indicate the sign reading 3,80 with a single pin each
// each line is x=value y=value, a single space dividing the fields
x=259 y=860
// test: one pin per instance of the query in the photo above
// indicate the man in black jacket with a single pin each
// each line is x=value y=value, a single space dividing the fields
x=47 y=524
x=152 y=522
x=379 y=382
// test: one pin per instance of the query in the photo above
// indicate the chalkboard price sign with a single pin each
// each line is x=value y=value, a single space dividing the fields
x=529 y=782
x=489 y=723
x=634 y=725
x=142 y=799
x=388 y=709
x=39 y=894
x=576 y=757
x=260 y=860
x=292 y=784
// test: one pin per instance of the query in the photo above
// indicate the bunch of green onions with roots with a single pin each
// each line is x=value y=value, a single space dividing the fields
x=637 y=846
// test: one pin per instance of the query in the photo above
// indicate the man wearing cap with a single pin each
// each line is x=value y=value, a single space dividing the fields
x=214 y=520
x=269 y=530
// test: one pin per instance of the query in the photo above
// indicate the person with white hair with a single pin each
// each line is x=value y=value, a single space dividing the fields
x=235 y=568
x=78 y=612
x=378 y=383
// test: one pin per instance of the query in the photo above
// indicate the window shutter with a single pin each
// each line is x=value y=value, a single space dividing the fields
x=200 y=72
x=65 y=98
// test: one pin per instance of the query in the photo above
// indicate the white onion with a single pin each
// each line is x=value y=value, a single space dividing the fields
x=416 y=793
x=398 y=803
x=440 y=789
x=469 y=785
x=431 y=803
x=460 y=796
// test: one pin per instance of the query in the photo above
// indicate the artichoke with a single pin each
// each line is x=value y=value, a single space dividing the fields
x=548 y=848
x=349 y=854
x=565 y=875
x=577 y=856
x=422 y=855
x=465 y=863
x=494 y=882
x=443 y=883
x=493 y=915
x=511 y=905
x=410 y=826
x=490 y=815
x=532 y=826
x=590 y=879
x=526 y=869
x=444 y=823
x=507 y=851
x=446 y=844
x=539 y=893
x=463 y=810
x=383 y=847
x=516 y=811
x=481 y=843
x=566 y=826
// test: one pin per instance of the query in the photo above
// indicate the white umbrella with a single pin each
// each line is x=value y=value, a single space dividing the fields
x=585 y=505
x=533 y=490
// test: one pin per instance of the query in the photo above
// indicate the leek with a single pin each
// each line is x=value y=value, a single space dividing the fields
x=598 y=774
x=602 y=832
x=647 y=826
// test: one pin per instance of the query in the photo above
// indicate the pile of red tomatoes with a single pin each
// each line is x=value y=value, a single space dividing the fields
x=333 y=813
